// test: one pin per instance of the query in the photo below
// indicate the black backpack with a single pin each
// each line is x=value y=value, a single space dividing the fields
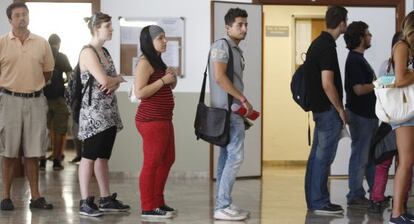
x=299 y=88
x=74 y=93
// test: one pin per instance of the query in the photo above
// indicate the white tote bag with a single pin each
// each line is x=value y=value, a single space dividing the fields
x=394 y=105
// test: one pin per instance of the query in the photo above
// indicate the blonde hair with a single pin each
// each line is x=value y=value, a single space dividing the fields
x=408 y=27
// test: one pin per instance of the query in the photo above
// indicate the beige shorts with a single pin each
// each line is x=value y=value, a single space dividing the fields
x=23 y=126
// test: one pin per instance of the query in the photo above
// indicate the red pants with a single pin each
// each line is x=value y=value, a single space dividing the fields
x=381 y=179
x=159 y=155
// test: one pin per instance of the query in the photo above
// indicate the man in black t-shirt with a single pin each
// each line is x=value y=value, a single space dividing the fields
x=58 y=114
x=360 y=105
x=325 y=88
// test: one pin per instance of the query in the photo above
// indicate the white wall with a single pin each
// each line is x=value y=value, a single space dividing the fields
x=4 y=22
x=409 y=6
x=382 y=29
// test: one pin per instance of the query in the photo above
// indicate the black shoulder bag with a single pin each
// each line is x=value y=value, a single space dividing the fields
x=213 y=124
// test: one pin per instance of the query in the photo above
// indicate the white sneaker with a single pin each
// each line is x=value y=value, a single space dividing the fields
x=228 y=222
x=240 y=210
x=228 y=214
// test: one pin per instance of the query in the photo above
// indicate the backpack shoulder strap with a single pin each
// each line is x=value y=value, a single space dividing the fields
x=94 y=50
x=90 y=80
x=106 y=52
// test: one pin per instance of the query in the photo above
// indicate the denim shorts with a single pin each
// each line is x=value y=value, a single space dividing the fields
x=404 y=124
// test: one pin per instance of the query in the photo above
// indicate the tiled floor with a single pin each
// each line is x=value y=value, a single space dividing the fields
x=276 y=198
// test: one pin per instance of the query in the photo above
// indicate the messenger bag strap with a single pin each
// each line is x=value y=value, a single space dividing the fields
x=229 y=72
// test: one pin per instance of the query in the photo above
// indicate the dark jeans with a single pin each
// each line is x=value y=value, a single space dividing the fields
x=362 y=130
x=328 y=126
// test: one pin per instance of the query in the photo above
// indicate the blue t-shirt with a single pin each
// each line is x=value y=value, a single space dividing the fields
x=358 y=71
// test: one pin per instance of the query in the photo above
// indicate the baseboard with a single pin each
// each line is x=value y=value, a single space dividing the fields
x=294 y=163
x=189 y=174
x=173 y=174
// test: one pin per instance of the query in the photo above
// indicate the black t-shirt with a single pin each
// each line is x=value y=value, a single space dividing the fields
x=56 y=88
x=358 y=71
x=321 y=56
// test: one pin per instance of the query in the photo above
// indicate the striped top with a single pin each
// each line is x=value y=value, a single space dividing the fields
x=158 y=106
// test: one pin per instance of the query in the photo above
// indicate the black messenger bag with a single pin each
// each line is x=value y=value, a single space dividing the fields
x=213 y=124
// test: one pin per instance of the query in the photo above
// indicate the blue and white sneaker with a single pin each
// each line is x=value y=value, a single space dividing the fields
x=88 y=208
x=409 y=216
x=402 y=219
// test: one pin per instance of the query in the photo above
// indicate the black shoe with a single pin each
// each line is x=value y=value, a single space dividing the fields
x=168 y=209
x=156 y=214
x=335 y=206
x=42 y=164
x=386 y=202
x=388 y=198
x=7 y=204
x=375 y=207
x=110 y=204
x=361 y=202
x=327 y=209
x=57 y=165
x=76 y=159
x=40 y=203
x=88 y=208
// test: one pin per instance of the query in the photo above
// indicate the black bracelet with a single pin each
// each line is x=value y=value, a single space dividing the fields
x=163 y=83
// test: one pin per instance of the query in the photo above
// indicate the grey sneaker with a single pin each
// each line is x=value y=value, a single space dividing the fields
x=88 y=208
x=229 y=214
x=240 y=210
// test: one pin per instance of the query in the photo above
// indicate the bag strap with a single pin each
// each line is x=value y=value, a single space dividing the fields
x=91 y=78
x=229 y=72
x=106 y=52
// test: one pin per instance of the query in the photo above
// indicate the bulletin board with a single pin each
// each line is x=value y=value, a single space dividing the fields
x=130 y=29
